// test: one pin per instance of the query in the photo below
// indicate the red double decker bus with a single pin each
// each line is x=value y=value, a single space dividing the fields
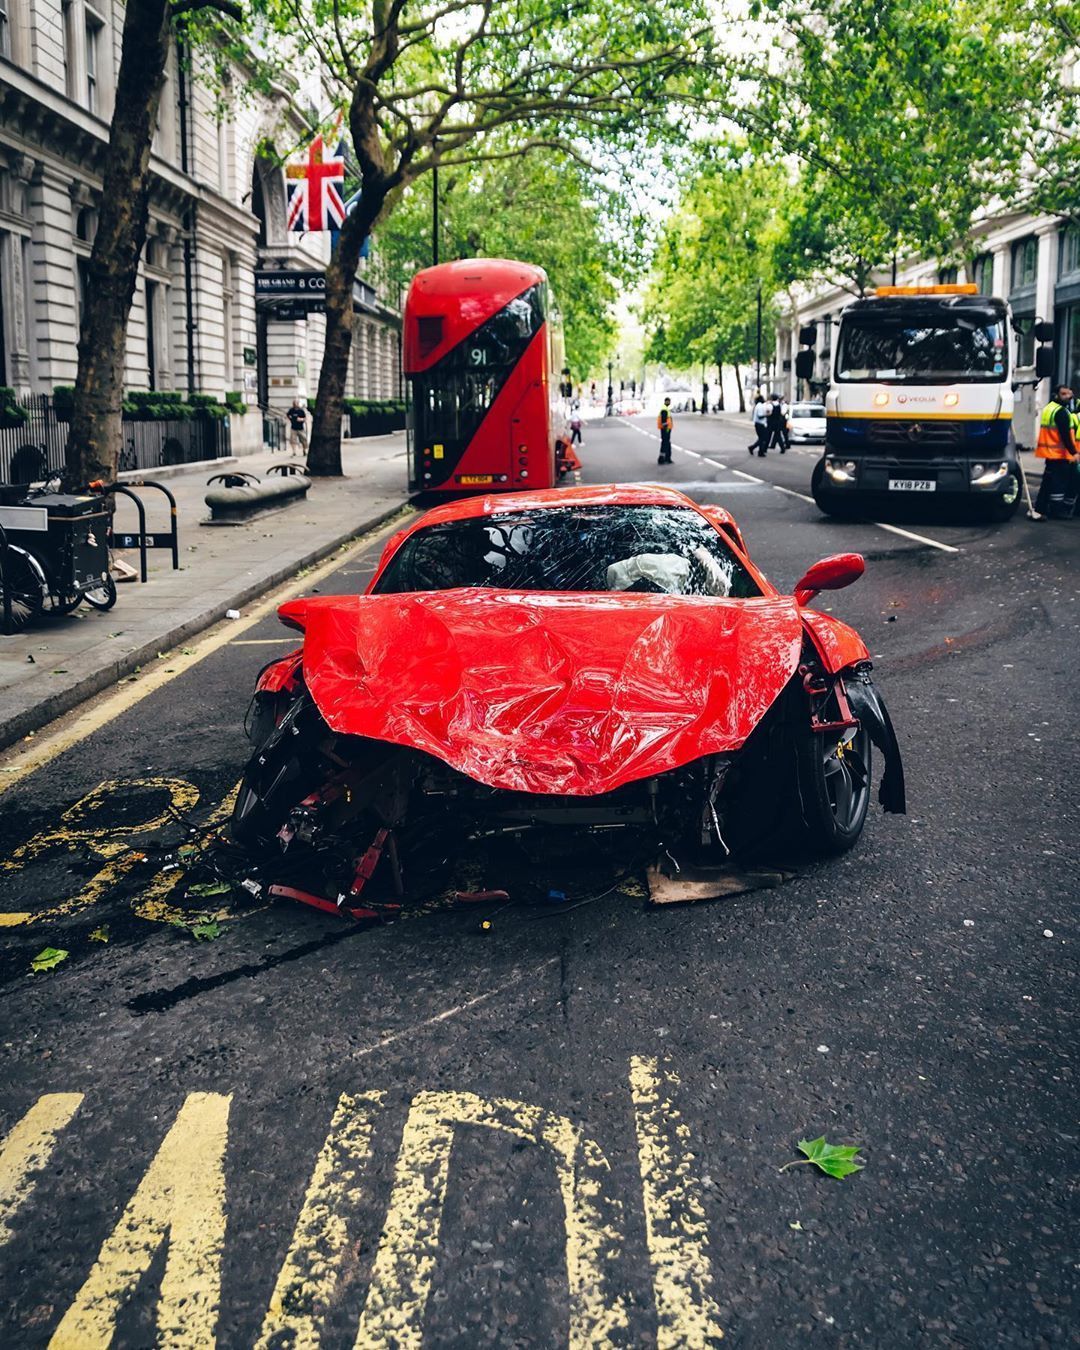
x=483 y=354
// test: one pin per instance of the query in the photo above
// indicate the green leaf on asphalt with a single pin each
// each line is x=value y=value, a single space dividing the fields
x=836 y=1160
x=46 y=959
x=210 y=888
x=205 y=928
x=100 y=934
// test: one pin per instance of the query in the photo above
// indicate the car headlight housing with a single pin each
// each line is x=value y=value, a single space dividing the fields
x=841 y=471
x=986 y=475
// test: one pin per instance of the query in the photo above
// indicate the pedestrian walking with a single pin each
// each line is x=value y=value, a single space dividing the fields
x=297 y=416
x=575 y=428
x=1059 y=448
x=760 y=417
x=775 y=426
x=664 y=423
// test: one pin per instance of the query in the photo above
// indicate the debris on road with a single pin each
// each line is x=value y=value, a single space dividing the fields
x=100 y=934
x=48 y=958
x=709 y=884
x=835 y=1160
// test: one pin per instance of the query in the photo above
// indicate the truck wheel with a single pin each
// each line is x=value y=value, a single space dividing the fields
x=823 y=498
x=1003 y=507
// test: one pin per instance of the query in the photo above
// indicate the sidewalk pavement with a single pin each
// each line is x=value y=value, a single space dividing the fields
x=221 y=568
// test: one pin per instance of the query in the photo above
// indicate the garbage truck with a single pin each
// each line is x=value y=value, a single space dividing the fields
x=920 y=401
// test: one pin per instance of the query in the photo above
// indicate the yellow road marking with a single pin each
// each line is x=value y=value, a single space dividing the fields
x=153 y=903
x=28 y=1148
x=393 y=1316
x=313 y=1265
x=50 y=744
x=181 y=1200
x=686 y=1313
x=114 y=846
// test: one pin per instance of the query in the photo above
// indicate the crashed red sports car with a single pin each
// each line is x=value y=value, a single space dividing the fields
x=593 y=658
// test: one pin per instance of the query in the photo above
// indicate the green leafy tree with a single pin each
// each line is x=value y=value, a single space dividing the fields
x=151 y=27
x=455 y=82
x=909 y=115
x=540 y=208
x=713 y=255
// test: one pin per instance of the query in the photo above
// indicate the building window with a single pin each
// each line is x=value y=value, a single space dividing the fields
x=947 y=276
x=82 y=290
x=69 y=49
x=5 y=241
x=982 y=273
x=1025 y=263
x=227 y=296
x=94 y=27
x=1070 y=346
x=152 y=334
x=5 y=30
x=1069 y=251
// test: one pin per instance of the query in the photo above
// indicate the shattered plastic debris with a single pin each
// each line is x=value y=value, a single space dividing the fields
x=709 y=884
x=232 y=613
x=1048 y=932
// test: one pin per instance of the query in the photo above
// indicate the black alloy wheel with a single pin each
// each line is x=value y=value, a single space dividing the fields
x=834 y=785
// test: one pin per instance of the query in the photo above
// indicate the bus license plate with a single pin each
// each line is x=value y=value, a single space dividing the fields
x=912 y=485
x=474 y=479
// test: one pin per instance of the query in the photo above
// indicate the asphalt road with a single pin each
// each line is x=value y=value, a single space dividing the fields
x=570 y=1131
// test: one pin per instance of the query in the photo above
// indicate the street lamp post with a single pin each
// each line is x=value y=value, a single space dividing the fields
x=609 y=411
x=434 y=215
x=758 y=389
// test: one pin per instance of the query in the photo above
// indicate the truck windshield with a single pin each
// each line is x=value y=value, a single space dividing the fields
x=923 y=350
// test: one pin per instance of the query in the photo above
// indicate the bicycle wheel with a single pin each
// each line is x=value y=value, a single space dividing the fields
x=59 y=605
x=24 y=582
x=103 y=596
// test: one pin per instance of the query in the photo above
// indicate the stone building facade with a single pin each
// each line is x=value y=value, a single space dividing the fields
x=1031 y=261
x=217 y=213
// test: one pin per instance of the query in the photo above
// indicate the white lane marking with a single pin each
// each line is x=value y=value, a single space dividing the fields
x=748 y=476
x=450 y=1012
x=717 y=464
x=919 y=538
x=881 y=525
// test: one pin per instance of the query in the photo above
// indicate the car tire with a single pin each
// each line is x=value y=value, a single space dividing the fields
x=834 y=780
x=280 y=774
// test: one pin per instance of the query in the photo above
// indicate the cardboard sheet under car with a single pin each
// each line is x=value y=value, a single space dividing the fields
x=717 y=883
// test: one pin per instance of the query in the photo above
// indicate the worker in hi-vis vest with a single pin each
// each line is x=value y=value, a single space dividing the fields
x=664 y=424
x=1058 y=447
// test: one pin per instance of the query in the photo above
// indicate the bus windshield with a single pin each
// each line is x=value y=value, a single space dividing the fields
x=922 y=349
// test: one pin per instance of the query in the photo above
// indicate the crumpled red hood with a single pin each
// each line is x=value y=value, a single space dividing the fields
x=549 y=693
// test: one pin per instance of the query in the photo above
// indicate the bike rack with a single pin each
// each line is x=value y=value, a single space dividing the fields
x=3 y=579
x=142 y=541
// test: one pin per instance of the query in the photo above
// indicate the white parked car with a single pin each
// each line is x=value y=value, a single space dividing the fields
x=807 y=421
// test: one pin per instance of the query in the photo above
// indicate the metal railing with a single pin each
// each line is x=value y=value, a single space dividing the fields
x=36 y=447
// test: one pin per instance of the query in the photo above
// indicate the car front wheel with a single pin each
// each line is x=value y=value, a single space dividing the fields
x=834 y=787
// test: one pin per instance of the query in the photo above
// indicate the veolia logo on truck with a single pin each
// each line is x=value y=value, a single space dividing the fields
x=920 y=400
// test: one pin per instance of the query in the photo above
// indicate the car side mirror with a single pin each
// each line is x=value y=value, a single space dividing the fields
x=830 y=574
x=804 y=365
x=1044 y=330
x=1045 y=362
x=808 y=335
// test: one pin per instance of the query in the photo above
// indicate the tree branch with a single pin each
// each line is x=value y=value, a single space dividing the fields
x=227 y=7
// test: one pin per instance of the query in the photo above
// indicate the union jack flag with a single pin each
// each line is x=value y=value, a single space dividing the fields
x=316 y=188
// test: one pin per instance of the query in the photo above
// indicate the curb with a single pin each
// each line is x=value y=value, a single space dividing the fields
x=64 y=700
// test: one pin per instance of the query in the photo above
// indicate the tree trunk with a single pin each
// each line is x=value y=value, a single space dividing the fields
x=93 y=445
x=720 y=386
x=324 y=453
x=738 y=382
